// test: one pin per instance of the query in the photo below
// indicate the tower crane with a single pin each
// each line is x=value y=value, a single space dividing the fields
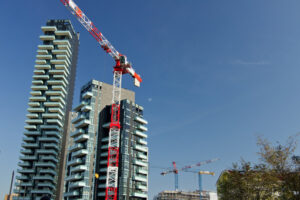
x=200 y=173
x=185 y=168
x=122 y=66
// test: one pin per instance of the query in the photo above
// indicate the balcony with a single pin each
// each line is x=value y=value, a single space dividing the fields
x=47 y=127
x=24 y=164
x=64 y=47
x=140 y=163
x=26 y=171
x=77 y=132
x=42 y=52
x=61 y=52
x=81 y=138
x=45 y=164
x=58 y=71
x=22 y=178
x=42 y=67
x=64 y=57
x=49 y=139
x=58 y=62
x=44 y=77
x=47 y=152
x=71 y=194
x=75 y=162
x=74 y=177
x=39 y=72
x=32 y=133
x=104 y=146
x=55 y=121
x=48 y=28
x=140 y=178
x=81 y=152
x=56 y=110
x=49 y=158
x=140 y=141
x=32 y=116
x=60 y=77
x=35 y=110
x=86 y=108
x=47 y=37
x=141 y=134
x=65 y=33
x=39 y=87
x=62 y=67
x=83 y=123
x=106 y=125
x=34 y=121
x=79 y=168
x=141 y=120
x=48 y=171
x=77 y=108
x=87 y=95
x=75 y=147
x=142 y=156
x=28 y=139
x=105 y=154
x=49 y=185
x=104 y=139
x=52 y=116
x=37 y=82
x=30 y=127
x=42 y=191
x=24 y=184
x=139 y=194
x=36 y=93
x=59 y=99
x=103 y=170
x=56 y=82
x=78 y=119
x=25 y=158
x=103 y=162
x=142 y=187
x=46 y=57
x=77 y=184
x=51 y=145
x=53 y=133
x=60 y=88
x=62 y=42
x=26 y=151
x=41 y=62
x=143 y=128
x=53 y=104
x=55 y=93
x=46 y=47
x=142 y=171
x=38 y=98
x=140 y=148
x=34 y=104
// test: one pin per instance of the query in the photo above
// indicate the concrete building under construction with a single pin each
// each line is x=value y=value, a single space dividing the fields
x=183 y=195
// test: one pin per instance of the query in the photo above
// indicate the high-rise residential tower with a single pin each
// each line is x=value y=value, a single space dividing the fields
x=133 y=156
x=43 y=151
x=88 y=154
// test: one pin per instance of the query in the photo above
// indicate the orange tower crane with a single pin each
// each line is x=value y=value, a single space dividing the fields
x=122 y=67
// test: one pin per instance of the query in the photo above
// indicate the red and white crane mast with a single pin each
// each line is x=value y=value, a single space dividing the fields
x=122 y=67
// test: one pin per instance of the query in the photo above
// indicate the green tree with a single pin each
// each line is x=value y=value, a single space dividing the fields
x=276 y=176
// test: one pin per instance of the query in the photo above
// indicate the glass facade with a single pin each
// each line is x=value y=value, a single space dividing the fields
x=42 y=157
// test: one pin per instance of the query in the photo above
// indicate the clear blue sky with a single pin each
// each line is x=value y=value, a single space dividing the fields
x=216 y=74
